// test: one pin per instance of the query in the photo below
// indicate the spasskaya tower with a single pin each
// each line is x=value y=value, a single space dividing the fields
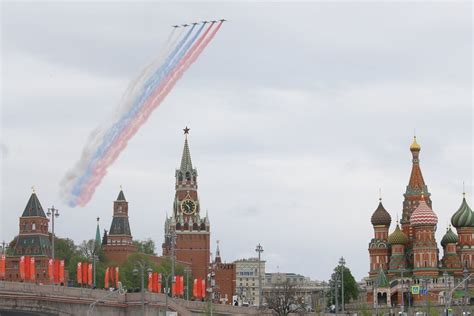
x=191 y=230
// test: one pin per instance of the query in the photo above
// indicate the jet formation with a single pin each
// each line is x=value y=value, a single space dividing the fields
x=196 y=23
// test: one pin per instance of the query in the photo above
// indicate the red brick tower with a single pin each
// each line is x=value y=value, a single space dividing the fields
x=119 y=241
x=192 y=231
x=379 y=248
x=425 y=250
x=33 y=240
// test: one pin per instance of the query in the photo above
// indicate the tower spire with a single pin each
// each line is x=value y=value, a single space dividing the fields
x=218 y=253
x=186 y=164
x=97 y=236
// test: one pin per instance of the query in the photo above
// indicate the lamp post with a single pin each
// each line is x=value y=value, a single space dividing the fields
x=4 y=247
x=171 y=236
x=342 y=262
x=187 y=270
x=95 y=257
x=402 y=305
x=259 y=250
x=445 y=276
x=52 y=212
x=167 y=278
x=465 y=274
x=142 y=265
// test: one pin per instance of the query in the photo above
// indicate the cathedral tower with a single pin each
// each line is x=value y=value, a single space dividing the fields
x=415 y=188
x=190 y=229
x=379 y=248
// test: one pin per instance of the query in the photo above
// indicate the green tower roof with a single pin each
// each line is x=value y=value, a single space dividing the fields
x=398 y=237
x=464 y=217
x=449 y=238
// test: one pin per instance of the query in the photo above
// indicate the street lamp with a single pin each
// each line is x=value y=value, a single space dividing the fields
x=465 y=274
x=187 y=270
x=402 y=305
x=259 y=249
x=52 y=212
x=167 y=278
x=171 y=237
x=445 y=276
x=94 y=254
x=142 y=265
x=4 y=247
x=342 y=262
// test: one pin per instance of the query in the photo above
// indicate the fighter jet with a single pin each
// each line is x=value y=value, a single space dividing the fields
x=175 y=26
x=195 y=23
x=213 y=21
x=222 y=20
x=185 y=25
x=204 y=22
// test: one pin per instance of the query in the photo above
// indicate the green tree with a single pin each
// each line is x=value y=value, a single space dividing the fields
x=127 y=277
x=146 y=246
x=351 y=289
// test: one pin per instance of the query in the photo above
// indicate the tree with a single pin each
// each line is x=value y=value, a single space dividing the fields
x=351 y=289
x=146 y=246
x=285 y=298
x=127 y=277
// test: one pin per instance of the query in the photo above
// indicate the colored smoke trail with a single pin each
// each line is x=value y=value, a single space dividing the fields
x=144 y=95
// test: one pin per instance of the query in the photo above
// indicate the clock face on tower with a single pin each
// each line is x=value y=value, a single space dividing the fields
x=188 y=206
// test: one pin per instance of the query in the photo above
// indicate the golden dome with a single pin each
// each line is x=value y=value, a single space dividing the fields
x=414 y=146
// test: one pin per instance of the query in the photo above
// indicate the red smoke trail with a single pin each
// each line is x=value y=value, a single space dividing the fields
x=153 y=102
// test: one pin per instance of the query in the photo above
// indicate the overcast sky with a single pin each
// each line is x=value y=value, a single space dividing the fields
x=299 y=113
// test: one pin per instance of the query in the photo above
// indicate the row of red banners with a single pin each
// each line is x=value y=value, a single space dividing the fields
x=199 y=288
x=84 y=273
x=2 y=267
x=27 y=269
x=112 y=277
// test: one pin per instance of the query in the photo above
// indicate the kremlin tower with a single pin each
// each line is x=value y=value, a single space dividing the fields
x=409 y=256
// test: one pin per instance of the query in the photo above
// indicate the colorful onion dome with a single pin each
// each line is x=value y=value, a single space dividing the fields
x=381 y=216
x=423 y=215
x=464 y=217
x=449 y=238
x=414 y=146
x=398 y=237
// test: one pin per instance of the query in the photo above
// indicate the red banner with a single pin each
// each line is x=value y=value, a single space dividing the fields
x=106 y=278
x=117 y=278
x=50 y=270
x=160 y=280
x=57 y=267
x=79 y=273
x=27 y=268
x=85 y=272
x=203 y=288
x=155 y=282
x=3 y=266
x=89 y=274
x=195 y=291
x=61 y=271
x=22 y=268
x=150 y=282
x=32 y=269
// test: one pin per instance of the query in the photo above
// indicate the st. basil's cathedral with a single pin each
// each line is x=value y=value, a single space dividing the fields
x=409 y=257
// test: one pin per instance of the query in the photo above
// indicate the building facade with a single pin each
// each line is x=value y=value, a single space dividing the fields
x=224 y=274
x=247 y=280
x=187 y=231
x=408 y=258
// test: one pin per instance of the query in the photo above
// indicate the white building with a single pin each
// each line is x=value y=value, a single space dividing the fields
x=247 y=280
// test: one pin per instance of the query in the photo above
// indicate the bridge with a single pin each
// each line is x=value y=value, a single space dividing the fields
x=47 y=300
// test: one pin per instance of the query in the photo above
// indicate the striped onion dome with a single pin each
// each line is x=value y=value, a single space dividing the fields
x=381 y=216
x=423 y=215
x=464 y=217
x=449 y=238
x=398 y=237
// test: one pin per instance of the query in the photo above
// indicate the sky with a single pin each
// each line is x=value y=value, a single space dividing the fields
x=299 y=113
